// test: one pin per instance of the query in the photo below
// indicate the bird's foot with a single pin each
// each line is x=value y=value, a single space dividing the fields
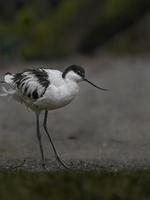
x=16 y=166
x=43 y=166
x=63 y=163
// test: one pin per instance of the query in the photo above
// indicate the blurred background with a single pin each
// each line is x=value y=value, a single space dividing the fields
x=111 y=40
x=46 y=29
x=110 y=130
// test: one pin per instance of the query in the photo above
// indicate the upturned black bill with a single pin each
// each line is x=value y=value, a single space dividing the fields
x=95 y=85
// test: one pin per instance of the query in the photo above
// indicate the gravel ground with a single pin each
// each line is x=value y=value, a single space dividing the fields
x=99 y=129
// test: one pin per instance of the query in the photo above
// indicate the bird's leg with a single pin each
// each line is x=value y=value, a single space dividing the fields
x=39 y=139
x=51 y=142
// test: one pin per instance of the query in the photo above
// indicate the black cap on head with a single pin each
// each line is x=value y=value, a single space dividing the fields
x=80 y=71
x=76 y=68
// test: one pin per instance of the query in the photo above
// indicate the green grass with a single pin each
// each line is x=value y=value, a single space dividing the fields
x=74 y=185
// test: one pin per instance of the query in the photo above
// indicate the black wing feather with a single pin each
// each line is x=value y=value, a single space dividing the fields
x=24 y=82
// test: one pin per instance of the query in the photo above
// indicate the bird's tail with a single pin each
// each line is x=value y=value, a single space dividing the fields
x=7 y=92
x=3 y=88
x=8 y=82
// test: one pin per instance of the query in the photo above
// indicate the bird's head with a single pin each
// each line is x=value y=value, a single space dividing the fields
x=74 y=72
x=77 y=73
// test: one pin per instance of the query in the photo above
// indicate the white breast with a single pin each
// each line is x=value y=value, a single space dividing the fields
x=59 y=93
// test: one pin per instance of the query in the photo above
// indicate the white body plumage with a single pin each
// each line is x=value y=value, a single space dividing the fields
x=52 y=91
x=59 y=93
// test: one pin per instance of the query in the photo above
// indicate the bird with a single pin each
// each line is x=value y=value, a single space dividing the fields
x=43 y=89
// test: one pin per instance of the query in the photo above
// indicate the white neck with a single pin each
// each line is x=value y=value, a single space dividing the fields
x=72 y=76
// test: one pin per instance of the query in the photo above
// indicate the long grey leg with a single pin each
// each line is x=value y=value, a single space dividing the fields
x=39 y=138
x=50 y=140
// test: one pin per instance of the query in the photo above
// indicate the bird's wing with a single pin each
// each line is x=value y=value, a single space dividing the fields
x=31 y=83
